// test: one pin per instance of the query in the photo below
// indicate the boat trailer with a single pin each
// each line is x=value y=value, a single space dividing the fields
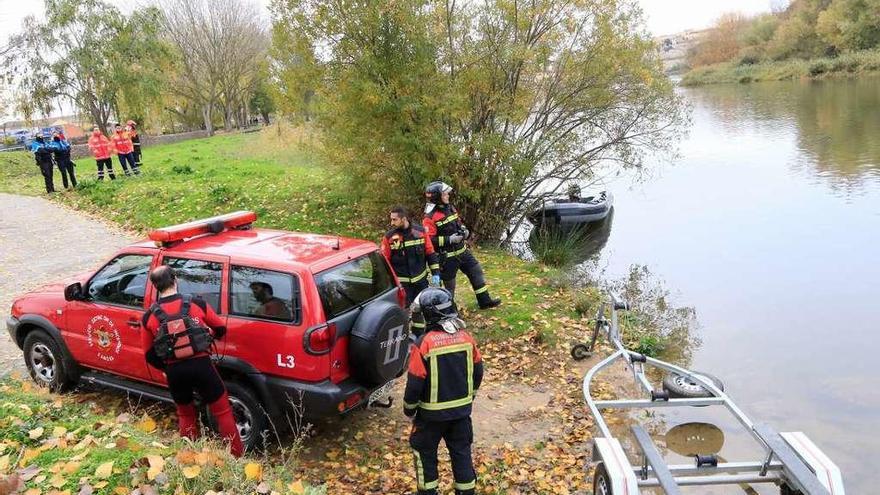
x=791 y=460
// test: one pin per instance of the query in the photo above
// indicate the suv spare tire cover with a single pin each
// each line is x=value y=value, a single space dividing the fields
x=379 y=344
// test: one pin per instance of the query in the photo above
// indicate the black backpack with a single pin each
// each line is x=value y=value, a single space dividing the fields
x=179 y=336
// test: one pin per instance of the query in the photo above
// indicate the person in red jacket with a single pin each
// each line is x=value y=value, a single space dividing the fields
x=448 y=234
x=102 y=148
x=195 y=373
x=125 y=151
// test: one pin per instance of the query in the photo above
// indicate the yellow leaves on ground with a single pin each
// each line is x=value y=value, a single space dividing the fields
x=253 y=471
x=59 y=431
x=36 y=433
x=190 y=472
x=297 y=488
x=104 y=470
x=4 y=463
x=157 y=464
x=146 y=424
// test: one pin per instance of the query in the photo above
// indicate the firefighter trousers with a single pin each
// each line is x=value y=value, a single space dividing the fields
x=468 y=264
x=417 y=321
x=425 y=439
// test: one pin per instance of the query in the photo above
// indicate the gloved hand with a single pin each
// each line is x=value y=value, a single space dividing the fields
x=465 y=232
x=456 y=238
x=435 y=280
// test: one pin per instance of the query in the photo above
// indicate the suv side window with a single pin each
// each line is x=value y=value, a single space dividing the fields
x=264 y=294
x=122 y=281
x=353 y=283
x=198 y=278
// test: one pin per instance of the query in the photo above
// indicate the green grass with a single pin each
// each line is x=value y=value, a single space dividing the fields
x=204 y=177
x=845 y=65
x=62 y=441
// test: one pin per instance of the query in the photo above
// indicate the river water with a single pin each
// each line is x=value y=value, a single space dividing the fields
x=768 y=224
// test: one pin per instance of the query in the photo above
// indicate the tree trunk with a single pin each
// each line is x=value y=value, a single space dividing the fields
x=209 y=123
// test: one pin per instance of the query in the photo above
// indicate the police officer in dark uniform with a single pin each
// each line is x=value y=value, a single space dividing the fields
x=43 y=156
x=411 y=254
x=448 y=234
x=445 y=372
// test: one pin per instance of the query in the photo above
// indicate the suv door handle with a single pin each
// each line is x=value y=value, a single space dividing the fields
x=134 y=323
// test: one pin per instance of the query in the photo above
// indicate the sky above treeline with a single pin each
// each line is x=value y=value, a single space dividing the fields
x=662 y=16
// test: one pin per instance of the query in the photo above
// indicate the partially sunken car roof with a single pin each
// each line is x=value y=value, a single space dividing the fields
x=281 y=247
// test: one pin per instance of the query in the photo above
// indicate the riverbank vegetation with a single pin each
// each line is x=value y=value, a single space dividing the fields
x=506 y=101
x=807 y=39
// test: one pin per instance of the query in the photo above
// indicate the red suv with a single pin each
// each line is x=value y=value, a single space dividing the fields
x=315 y=323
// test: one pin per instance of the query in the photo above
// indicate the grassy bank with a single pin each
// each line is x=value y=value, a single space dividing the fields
x=92 y=443
x=845 y=65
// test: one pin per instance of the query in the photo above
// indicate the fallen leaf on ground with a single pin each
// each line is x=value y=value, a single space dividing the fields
x=253 y=471
x=104 y=470
x=36 y=433
x=190 y=472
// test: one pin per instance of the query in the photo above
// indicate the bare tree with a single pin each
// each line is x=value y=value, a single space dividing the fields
x=220 y=45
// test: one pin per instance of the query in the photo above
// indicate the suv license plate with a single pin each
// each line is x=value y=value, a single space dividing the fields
x=381 y=392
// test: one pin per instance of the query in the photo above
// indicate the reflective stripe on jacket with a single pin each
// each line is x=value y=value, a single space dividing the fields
x=409 y=251
x=441 y=223
x=445 y=372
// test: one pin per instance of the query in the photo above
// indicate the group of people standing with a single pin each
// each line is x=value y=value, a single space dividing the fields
x=54 y=153
x=125 y=143
x=445 y=367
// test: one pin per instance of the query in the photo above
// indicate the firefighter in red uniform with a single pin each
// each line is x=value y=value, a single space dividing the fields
x=448 y=234
x=411 y=255
x=124 y=151
x=192 y=374
x=102 y=148
x=445 y=372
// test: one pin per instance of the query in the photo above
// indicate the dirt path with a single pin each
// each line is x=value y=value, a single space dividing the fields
x=41 y=242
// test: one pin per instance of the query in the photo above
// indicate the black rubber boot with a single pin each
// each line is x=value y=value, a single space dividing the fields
x=485 y=301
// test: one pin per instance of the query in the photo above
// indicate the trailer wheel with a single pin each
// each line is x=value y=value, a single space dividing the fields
x=601 y=481
x=580 y=352
x=682 y=387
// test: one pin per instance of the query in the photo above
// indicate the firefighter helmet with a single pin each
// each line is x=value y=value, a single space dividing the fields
x=437 y=307
x=435 y=189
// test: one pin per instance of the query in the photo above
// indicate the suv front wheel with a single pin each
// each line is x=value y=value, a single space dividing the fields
x=44 y=361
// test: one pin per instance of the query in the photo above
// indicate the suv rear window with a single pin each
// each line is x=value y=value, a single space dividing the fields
x=353 y=283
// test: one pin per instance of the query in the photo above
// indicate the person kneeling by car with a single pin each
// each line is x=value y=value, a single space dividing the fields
x=445 y=371
x=180 y=331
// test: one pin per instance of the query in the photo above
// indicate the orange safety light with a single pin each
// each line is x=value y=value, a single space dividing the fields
x=204 y=226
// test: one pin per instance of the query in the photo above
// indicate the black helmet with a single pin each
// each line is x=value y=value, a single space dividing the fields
x=435 y=305
x=435 y=189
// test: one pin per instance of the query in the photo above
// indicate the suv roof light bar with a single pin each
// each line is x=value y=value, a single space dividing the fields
x=174 y=233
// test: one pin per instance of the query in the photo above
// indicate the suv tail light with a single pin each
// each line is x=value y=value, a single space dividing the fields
x=319 y=340
x=401 y=297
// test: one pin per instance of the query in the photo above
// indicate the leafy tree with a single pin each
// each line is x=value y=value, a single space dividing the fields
x=88 y=52
x=851 y=24
x=505 y=100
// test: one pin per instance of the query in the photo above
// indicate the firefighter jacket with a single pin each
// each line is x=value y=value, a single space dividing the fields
x=100 y=146
x=440 y=223
x=445 y=372
x=122 y=142
x=408 y=250
x=135 y=139
x=200 y=311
